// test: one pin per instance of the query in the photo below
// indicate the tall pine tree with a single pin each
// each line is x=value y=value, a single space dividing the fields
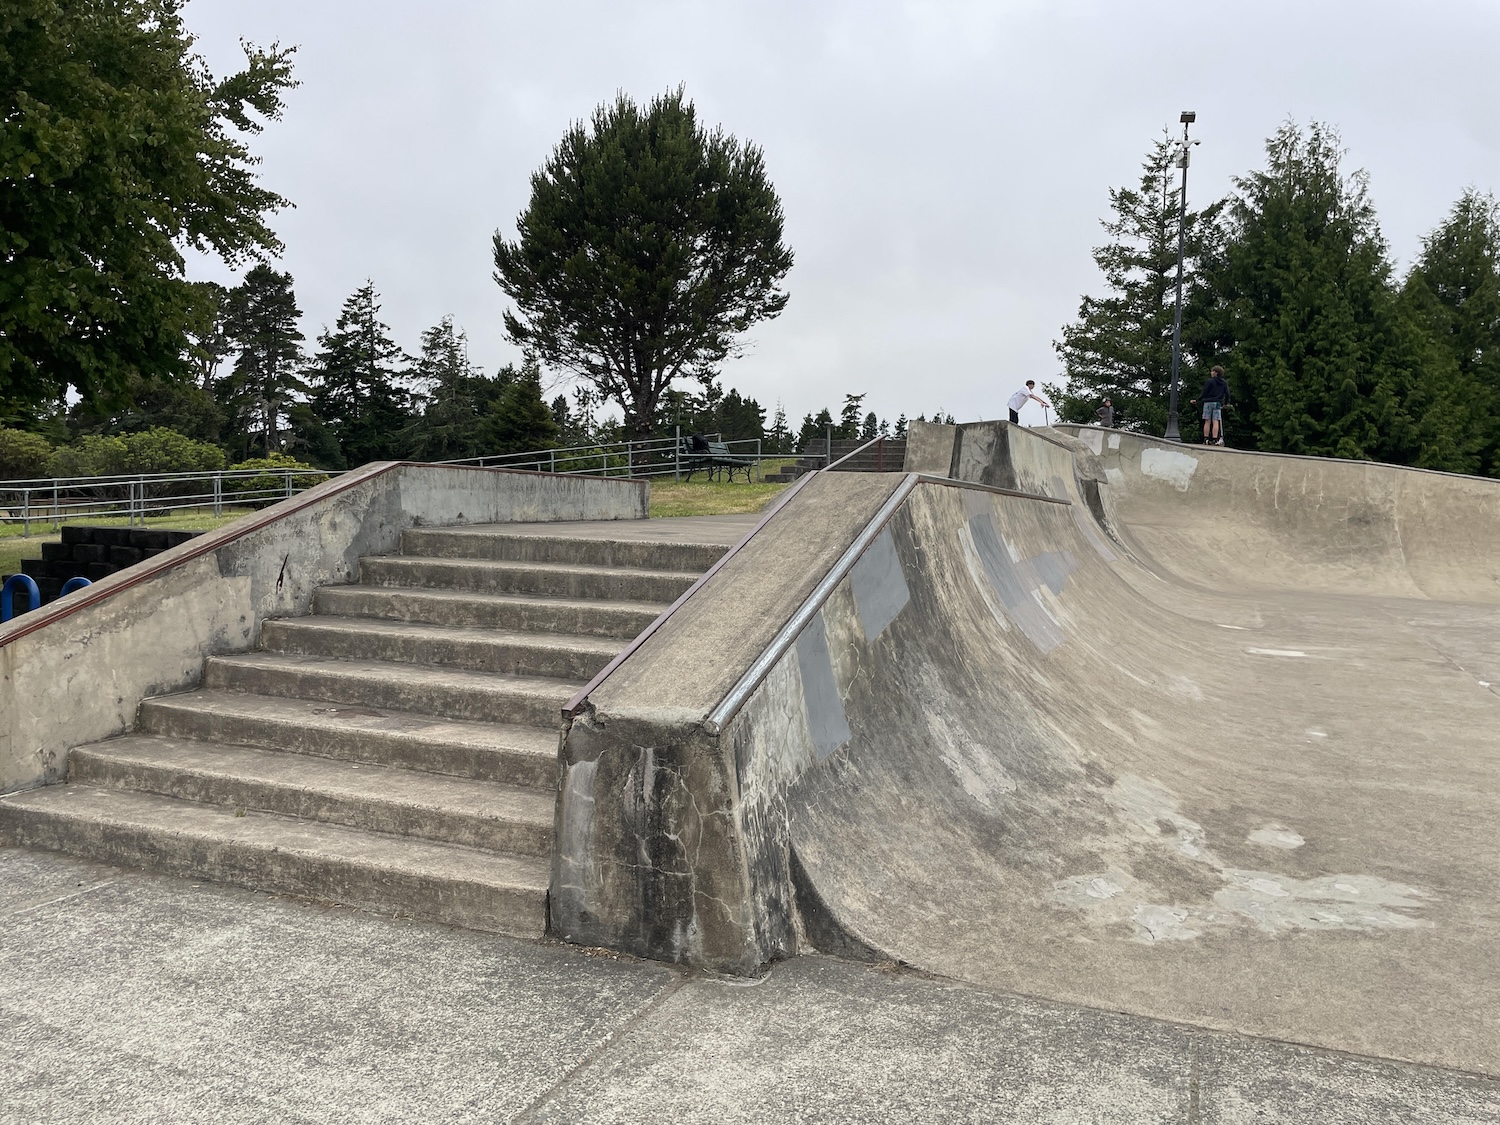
x=260 y=317
x=358 y=383
x=1120 y=347
x=1319 y=356
x=457 y=395
x=1453 y=293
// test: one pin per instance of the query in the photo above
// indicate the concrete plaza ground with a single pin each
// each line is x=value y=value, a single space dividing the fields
x=130 y=997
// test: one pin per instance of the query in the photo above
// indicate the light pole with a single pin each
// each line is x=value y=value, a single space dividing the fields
x=1187 y=118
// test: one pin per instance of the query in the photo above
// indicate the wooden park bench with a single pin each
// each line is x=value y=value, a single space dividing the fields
x=713 y=457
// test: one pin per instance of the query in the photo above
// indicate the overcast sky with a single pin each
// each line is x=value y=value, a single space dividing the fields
x=943 y=166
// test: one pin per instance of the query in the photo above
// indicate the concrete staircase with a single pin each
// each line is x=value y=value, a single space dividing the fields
x=396 y=750
x=887 y=456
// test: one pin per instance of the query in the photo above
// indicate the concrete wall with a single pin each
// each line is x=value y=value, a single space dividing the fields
x=1266 y=521
x=75 y=671
x=668 y=842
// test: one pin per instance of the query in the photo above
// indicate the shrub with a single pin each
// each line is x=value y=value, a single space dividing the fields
x=157 y=450
x=92 y=456
x=160 y=450
x=268 y=487
x=23 y=455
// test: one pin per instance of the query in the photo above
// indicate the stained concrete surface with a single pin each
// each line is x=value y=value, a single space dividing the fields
x=128 y=997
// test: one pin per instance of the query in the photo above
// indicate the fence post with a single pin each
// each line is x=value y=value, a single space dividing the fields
x=25 y=512
x=218 y=495
x=677 y=456
x=828 y=449
x=289 y=484
x=552 y=460
x=56 y=511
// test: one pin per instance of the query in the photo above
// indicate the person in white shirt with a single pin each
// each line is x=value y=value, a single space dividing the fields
x=1018 y=400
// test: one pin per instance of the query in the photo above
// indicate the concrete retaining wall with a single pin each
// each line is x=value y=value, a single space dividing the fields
x=76 y=670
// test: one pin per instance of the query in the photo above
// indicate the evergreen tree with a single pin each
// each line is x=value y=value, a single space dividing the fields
x=1453 y=293
x=1120 y=346
x=870 y=427
x=900 y=431
x=260 y=317
x=779 y=439
x=815 y=428
x=849 y=417
x=1319 y=355
x=357 y=380
x=741 y=419
x=520 y=421
x=457 y=396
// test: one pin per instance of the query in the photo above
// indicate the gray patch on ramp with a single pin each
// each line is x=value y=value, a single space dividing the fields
x=1017 y=582
x=880 y=590
x=820 y=690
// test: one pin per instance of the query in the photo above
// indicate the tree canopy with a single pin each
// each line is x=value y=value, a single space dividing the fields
x=649 y=245
x=118 y=149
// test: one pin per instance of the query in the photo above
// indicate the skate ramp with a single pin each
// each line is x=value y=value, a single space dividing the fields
x=1035 y=717
x=1063 y=776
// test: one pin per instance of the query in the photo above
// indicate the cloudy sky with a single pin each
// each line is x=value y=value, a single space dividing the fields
x=943 y=165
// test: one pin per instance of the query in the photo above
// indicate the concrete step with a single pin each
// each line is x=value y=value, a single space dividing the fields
x=520 y=755
x=483 y=650
x=399 y=802
x=521 y=612
x=447 y=692
x=391 y=874
x=494 y=544
x=551 y=579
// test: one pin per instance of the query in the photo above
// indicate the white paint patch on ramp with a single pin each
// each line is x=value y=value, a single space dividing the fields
x=1168 y=465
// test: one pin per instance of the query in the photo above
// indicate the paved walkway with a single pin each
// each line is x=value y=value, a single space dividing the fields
x=127 y=997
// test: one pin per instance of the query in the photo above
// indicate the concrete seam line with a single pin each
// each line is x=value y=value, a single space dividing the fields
x=52 y=900
x=730 y=705
x=593 y=1054
x=576 y=704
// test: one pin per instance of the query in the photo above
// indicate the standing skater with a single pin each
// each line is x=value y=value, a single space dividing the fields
x=1018 y=400
x=1215 y=394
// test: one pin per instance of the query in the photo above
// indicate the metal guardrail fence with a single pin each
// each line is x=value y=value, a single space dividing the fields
x=649 y=457
x=136 y=496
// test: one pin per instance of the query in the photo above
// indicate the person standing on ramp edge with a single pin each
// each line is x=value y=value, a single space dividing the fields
x=1215 y=394
x=1018 y=400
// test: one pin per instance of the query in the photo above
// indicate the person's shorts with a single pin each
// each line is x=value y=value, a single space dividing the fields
x=1015 y=418
x=1211 y=411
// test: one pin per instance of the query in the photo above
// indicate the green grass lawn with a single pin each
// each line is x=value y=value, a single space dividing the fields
x=709 y=497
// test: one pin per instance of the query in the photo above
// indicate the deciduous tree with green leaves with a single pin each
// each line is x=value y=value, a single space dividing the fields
x=649 y=246
x=118 y=149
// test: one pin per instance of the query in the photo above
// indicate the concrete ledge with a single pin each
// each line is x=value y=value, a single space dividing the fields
x=75 y=671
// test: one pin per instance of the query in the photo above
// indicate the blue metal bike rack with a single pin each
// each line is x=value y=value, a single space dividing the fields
x=7 y=594
x=74 y=584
